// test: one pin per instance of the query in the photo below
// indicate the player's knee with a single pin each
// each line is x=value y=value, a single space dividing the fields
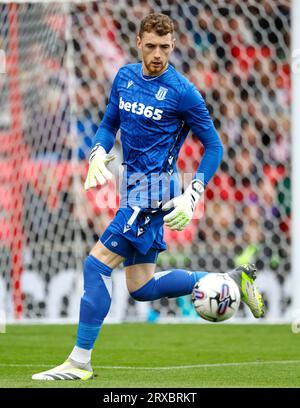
x=92 y=267
x=97 y=286
x=88 y=270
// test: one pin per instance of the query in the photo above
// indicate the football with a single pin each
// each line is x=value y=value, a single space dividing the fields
x=216 y=297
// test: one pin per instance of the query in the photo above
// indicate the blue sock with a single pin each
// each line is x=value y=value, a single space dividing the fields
x=95 y=302
x=168 y=284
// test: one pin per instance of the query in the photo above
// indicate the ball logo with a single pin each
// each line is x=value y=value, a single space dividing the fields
x=139 y=108
x=224 y=299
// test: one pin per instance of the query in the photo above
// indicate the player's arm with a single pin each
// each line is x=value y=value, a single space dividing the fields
x=104 y=140
x=196 y=116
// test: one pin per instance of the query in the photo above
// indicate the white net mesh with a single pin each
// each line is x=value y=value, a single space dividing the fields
x=61 y=59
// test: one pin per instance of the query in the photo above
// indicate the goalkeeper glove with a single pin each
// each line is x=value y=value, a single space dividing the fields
x=184 y=206
x=98 y=173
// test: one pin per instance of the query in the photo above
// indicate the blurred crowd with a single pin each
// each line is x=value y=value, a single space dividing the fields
x=235 y=52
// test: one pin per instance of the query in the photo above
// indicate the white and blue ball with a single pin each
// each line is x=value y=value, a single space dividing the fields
x=216 y=297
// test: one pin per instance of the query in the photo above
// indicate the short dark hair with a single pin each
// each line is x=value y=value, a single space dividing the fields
x=159 y=23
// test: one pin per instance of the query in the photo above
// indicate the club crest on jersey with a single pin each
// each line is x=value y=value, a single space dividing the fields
x=161 y=93
x=130 y=82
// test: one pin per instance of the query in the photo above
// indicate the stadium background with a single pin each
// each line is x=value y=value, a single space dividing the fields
x=61 y=60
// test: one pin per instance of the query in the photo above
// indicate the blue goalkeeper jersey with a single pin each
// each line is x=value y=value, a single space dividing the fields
x=154 y=115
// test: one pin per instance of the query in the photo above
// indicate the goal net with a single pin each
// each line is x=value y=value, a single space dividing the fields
x=57 y=64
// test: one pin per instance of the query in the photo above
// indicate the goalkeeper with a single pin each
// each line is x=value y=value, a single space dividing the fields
x=154 y=107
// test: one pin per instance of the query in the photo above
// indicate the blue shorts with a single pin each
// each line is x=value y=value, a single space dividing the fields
x=136 y=235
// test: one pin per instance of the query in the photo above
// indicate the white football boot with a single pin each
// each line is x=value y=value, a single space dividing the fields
x=69 y=370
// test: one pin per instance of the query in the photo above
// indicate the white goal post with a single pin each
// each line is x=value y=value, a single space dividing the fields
x=295 y=131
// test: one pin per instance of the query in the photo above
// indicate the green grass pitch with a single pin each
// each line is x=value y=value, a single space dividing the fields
x=153 y=355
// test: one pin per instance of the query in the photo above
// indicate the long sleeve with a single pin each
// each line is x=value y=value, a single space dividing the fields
x=106 y=133
x=195 y=114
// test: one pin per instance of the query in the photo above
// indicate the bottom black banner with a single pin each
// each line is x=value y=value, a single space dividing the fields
x=93 y=397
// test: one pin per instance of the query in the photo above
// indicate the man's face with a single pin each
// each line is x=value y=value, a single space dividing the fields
x=155 y=51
